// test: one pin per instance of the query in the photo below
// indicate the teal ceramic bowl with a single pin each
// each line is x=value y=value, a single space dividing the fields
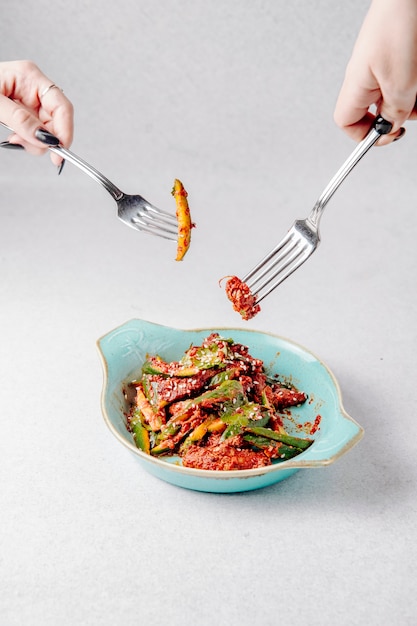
x=124 y=349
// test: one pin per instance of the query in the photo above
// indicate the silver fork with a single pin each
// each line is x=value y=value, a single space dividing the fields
x=303 y=237
x=134 y=211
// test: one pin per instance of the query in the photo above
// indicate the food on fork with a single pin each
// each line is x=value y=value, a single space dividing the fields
x=239 y=294
x=216 y=408
x=184 y=219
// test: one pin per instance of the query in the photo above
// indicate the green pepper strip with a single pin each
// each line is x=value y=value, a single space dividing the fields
x=164 y=439
x=163 y=447
x=297 y=442
x=197 y=434
x=140 y=434
x=239 y=422
x=238 y=418
x=171 y=429
x=210 y=356
x=223 y=376
x=156 y=365
x=228 y=391
x=282 y=451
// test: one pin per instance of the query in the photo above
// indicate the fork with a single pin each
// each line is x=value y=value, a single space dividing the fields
x=134 y=211
x=303 y=237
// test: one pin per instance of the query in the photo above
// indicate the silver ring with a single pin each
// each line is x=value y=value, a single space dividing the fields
x=45 y=91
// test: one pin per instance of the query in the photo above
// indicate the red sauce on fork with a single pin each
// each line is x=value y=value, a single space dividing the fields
x=241 y=297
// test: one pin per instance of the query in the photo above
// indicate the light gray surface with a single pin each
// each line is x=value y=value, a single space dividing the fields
x=236 y=99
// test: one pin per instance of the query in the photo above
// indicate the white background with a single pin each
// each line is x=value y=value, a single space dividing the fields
x=236 y=99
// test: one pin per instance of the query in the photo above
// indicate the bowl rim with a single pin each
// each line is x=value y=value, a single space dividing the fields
x=298 y=462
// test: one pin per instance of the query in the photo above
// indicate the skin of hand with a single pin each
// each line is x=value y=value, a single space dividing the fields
x=382 y=71
x=25 y=109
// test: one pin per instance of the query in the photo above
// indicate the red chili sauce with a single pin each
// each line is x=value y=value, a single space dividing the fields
x=241 y=297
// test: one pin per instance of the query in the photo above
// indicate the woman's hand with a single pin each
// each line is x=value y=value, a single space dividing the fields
x=28 y=101
x=382 y=71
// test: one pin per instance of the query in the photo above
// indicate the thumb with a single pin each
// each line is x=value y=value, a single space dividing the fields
x=24 y=124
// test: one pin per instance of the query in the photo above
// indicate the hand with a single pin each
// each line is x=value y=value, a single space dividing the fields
x=27 y=104
x=382 y=71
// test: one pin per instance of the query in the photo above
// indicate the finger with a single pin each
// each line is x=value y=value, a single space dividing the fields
x=413 y=115
x=397 y=106
x=57 y=113
x=395 y=135
x=394 y=99
x=356 y=96
x=397 y=109
x=43 y=104
x=24 y=124
x=352 y=113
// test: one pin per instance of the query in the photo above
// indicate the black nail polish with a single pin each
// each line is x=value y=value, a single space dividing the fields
x=402 y=133
x=382 y=126
x=61 y=167
x=11 y=146
x=46 y=137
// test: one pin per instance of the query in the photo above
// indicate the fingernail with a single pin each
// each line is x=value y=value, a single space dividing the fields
x=11 y=146
x=400 y=134
x=46 y=137
x=60 y=167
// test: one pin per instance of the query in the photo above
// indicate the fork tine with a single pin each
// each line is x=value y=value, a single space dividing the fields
x=155 y=221
x=158 y=222
x=291 y=252
x=153 y=225
x=275 y=256
x=153 y=229
x=164 y=216
x=300 y=253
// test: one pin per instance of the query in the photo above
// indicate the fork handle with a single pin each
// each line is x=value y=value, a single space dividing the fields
x=84 y=166
x=379 y=127
x=88 y=169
